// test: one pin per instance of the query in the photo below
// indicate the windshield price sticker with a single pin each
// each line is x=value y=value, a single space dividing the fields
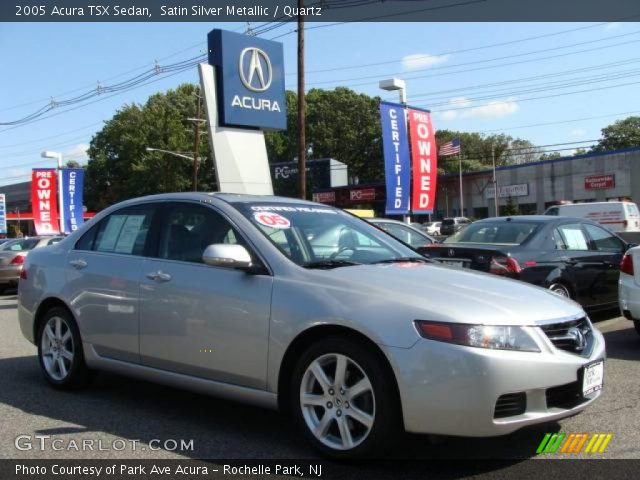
x=269 y=208
x=272 y=220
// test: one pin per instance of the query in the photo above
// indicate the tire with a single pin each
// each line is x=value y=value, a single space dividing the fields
x=560 y=289
x=636 y=324
x=60 y=351
x=357 y=425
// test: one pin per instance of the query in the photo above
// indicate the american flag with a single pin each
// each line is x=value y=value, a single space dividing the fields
x=450 y=148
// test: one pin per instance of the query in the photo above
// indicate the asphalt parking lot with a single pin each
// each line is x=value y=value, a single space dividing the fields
x=116 y=408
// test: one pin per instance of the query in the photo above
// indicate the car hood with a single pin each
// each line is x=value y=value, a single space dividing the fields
x=452 y=294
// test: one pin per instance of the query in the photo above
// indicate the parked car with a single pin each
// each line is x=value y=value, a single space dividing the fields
x=616 y=216
x=403 y=232
x=432 y=228
x=449 y=226
x=629 y=286
x=572 y=257
x=12 y=255
x=356 y=340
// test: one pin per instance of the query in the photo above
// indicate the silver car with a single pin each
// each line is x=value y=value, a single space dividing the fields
x=12 y=255
x=299 y=306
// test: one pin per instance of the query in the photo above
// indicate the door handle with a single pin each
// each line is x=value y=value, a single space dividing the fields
x=78 y=264
x=159 y=276
x=569 y=261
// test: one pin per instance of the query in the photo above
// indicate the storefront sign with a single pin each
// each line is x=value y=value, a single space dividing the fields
x=506 y=191
x=362 y=194
x=250 y=80
x=3 y=214
x=72 y=186
x=44 y=201
x=396 y=158
x=424 y=160
x=600 y=182
x=324 y=197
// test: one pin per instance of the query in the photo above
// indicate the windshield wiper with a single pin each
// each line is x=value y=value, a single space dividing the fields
x=330 y=264
x=403 y=259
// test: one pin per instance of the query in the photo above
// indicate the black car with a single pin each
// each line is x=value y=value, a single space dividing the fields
x=573 y=257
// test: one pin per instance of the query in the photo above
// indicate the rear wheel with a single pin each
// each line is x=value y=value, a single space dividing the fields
x=343 y=399
x=560 y=289
x=60 y=350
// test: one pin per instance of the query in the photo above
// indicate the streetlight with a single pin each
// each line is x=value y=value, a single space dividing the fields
x=58 y=157
x=180 y=155
x=390 y=85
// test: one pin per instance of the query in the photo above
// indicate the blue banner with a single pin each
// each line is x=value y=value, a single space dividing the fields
x=397 y=167
x=3 y=214
x=71 y=208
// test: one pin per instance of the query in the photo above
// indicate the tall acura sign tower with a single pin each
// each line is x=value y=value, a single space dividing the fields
x=243 y=89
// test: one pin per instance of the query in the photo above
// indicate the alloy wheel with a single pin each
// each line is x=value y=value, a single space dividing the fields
x=560 y=290
x=337 y=401
x=57 y=348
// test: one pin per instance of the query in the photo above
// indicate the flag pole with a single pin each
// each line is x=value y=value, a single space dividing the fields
x=461 y=194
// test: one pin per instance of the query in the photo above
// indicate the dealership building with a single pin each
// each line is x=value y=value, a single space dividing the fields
x=593 y=177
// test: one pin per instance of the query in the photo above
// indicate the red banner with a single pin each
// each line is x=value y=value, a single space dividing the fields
x=600 y=182
x=424 y=161
x=44 y=201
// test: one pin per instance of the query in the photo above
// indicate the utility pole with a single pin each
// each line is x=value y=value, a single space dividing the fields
x=495 y=180
x=196 y=148
x=302 y=149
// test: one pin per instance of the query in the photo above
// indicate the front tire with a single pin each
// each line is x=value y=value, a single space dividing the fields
x=343 y=399
x=560 y=289
x=60 y=350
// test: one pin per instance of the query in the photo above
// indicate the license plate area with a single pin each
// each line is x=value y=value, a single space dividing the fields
x=592 y=377
x=454 y=262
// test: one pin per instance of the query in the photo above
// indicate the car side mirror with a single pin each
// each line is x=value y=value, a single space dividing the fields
x=225 y=255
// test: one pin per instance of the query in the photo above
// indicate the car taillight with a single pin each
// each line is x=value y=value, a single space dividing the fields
x=23 y=274
x=626 y=266
x=17 y=260
x=504 y=266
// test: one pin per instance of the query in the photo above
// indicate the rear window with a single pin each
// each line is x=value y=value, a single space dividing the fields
x=503 y=233
x=448 y=221
x=632 y=209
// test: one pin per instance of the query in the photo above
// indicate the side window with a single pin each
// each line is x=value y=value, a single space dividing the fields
x=573 y=237
x=86 y=240
x=603 y=241
x=124 y=231
x=552 y=211
x=558 y=240
x=188 y=229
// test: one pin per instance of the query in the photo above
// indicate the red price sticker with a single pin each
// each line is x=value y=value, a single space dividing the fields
x=273 y=220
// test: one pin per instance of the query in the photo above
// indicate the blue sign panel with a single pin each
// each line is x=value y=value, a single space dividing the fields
x=249 y=79
x=397 y=167
x=3 y=214
x=71 y=209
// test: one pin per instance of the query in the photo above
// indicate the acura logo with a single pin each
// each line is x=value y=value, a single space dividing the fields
x=578 y=337
x=255 y=69
x=451 y=252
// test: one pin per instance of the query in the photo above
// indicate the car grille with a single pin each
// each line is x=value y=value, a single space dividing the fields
x=565 y=396
x=510 y=404
x=575 y=336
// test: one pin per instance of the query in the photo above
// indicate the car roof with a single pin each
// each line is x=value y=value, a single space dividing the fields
x=226 y=197
x=532 y=218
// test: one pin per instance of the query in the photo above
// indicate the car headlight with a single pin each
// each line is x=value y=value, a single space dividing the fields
x=482 y=336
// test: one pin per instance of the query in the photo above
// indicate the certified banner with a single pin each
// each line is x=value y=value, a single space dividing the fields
x=397 y=169
x=424 y=160
x=44 y=202
x=3 y=214
x=71 y=208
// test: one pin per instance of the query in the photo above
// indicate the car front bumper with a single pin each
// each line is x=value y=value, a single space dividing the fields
x=449 y=389
x=629 y=296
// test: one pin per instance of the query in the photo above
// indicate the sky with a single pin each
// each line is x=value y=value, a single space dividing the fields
x=574 y=78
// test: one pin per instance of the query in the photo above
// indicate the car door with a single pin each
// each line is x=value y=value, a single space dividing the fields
x=200 y=320
x=610 y=249
x=581 y=266
x=103 y=281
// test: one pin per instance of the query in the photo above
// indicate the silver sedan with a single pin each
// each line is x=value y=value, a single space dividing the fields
x=299 y=306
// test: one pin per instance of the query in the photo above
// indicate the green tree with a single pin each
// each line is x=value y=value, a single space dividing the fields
x=511 y=208
x=621 y=134
x=73 y=164
x=550 y=156
x=119 y=166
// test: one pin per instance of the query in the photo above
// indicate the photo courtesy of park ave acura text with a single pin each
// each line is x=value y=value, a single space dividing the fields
x=335 y=239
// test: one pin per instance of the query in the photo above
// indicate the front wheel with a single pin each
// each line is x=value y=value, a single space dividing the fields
x=560 y=289
x=343 y=399
x=60 y=350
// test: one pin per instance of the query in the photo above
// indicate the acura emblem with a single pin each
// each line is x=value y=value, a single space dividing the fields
x=255 y=69
x=578 y=337
x=451 y=252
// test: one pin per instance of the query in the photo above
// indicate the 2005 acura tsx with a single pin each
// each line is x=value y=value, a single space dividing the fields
x=299 y=306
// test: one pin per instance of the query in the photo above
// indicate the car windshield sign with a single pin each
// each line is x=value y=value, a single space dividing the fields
x=322 y=237
x=499 y=233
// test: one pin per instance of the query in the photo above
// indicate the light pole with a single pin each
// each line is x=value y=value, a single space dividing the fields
x=58 y=157
x=390 y=85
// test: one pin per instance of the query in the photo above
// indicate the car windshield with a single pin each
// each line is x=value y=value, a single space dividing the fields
x=19 y=245
x=503 y=233
x=315 y=236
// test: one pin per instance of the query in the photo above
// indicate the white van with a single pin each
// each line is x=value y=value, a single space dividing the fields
x=616 y=216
